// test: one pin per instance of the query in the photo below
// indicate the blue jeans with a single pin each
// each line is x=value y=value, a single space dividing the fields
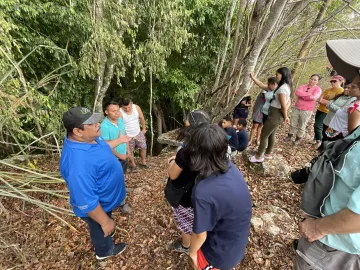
x=103 y=246
x=124 y=164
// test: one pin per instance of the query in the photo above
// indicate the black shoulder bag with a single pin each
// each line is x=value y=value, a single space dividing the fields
x=174 y=195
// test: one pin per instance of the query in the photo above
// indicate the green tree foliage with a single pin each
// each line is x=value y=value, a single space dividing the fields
x=58 y=54
x=39 y=43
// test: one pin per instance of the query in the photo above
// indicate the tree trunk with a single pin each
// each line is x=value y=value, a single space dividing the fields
x=102 y=84
x=106 y=68
x=160 y=126
x=263 y=25
x=159 y=119
x=150 y=112
x=224 y=53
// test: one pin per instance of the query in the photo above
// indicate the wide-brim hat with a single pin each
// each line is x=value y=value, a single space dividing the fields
x=344 y=56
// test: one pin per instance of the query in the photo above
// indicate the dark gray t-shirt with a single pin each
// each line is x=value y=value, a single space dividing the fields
x=222 y=208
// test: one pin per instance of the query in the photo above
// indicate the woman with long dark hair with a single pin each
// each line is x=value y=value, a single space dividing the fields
x=221 y=201
x=277 y=114
x=183 y=177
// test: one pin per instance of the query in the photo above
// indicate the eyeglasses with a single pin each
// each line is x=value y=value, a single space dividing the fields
x=333 y=81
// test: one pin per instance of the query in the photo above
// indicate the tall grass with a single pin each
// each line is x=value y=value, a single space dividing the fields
x=24 y=184
x=19 y=182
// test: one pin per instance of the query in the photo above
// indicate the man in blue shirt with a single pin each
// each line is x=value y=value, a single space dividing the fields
x=94 y=177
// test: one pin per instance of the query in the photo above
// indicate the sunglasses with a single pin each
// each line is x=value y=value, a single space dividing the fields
x=333 y=81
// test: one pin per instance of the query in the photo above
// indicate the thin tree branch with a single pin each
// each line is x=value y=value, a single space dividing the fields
x=228 y=35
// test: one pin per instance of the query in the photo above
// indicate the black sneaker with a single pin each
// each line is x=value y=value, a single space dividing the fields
x=118 y=249
x=295 y=244
x=145 y=166
x=180 y=248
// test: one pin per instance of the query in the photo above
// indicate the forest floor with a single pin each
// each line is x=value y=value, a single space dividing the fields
x=33 y=240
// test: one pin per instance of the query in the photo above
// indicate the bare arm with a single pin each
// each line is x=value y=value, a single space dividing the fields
x=257 y=82
x=354 y=120
x=197 y=240
x=120 y=156
x=284 y=105
x=342 y=222
x=99 y=215
x=174 y=170
x=142 y=119
x=119 y=140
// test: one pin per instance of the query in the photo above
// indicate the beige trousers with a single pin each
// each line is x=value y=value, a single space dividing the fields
x=299 y=120
x=317 y=256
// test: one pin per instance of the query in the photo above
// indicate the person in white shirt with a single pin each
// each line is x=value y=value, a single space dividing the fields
x=339 y=124
x=131 y=115
x=277 y=115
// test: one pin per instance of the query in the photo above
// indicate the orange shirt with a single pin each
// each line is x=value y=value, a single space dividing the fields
x=329 y=94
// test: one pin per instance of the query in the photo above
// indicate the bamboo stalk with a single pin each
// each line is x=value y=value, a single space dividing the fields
x=29 y=171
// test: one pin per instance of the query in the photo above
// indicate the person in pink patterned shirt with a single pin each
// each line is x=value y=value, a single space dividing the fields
x=305 y=104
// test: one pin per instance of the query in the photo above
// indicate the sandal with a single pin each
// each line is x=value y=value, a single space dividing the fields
x=144 y=166
x=132 y=169
x=268 y=157
x=253 y=159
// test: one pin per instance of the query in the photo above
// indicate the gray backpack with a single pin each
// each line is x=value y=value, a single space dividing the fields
x=322 y=174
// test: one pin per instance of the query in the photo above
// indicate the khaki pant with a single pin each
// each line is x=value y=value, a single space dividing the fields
x=299 y=120
x=318 y=256
x=267 y=138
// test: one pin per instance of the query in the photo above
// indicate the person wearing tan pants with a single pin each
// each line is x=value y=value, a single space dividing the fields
x=305 y=104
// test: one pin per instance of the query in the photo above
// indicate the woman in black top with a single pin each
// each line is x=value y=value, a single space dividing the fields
x=181 y=176
x=242 y=109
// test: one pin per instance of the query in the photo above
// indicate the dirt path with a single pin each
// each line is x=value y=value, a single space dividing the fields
x=41 y=242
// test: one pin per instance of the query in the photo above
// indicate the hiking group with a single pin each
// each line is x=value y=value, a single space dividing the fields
x=210 y=199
